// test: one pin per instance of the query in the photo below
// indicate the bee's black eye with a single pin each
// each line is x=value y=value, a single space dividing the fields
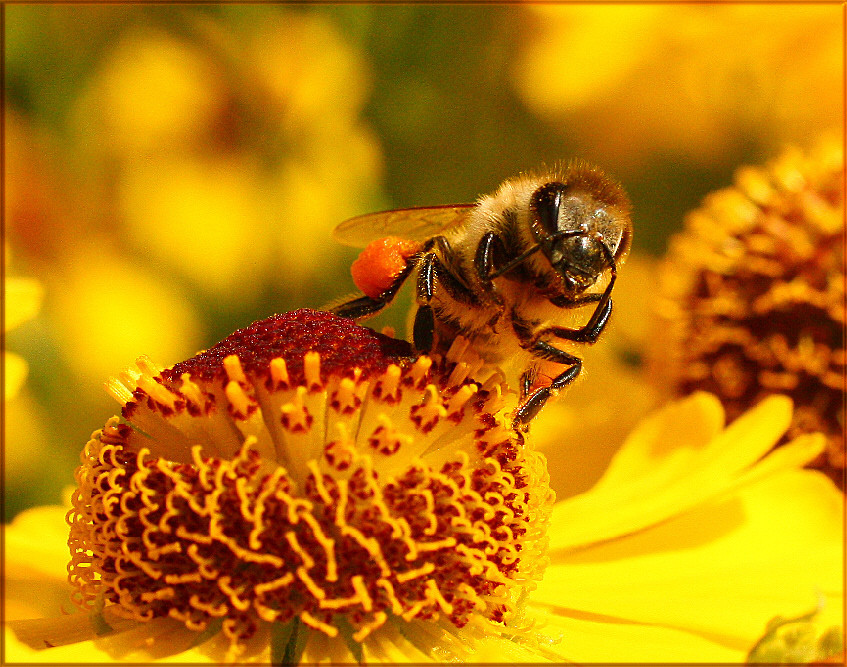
x=545 y=204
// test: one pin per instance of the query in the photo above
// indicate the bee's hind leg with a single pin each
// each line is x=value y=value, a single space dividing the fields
x=360 y=308
x=367 y=306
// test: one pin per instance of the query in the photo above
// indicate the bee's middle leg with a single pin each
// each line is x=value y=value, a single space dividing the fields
x=441 y=270
x=530 y=407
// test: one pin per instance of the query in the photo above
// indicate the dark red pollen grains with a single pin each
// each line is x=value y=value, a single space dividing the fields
x=342 y=343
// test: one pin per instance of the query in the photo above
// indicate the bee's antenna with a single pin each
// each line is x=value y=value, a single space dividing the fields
x=517 y=260
x=609 y=255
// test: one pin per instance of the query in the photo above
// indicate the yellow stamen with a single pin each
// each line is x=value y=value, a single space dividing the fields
x=312 y=370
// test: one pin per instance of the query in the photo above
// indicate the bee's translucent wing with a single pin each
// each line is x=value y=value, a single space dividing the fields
x=415 y=224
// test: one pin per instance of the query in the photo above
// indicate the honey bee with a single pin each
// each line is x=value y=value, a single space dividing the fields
x=512 y=273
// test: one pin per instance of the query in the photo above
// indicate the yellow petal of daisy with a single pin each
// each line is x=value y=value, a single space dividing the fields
x=35 y=537
x=67 y=629
x=18 y=652
x=36 y=575
x=390 y=646
x=627 y=642
x=790 y=456
x=722 y=569
x=434 y=642
x=673 y=461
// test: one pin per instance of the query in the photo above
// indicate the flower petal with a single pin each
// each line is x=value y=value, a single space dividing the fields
x=790 y=456
x=390 y=646
x=86 y=653
x=40 y=633
x=427 y=641
x=37 y=538
x=36 y=574
x=593 y=638
x=673 y=461
x=722 y=570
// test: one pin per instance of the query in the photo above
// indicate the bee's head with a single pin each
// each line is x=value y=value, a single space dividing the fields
x=582 y=231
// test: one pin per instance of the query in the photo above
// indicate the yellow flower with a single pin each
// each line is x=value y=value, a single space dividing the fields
x=218 y=173
x=23 y=419
x=637 y=81
x=387 y=514
x=751 y=298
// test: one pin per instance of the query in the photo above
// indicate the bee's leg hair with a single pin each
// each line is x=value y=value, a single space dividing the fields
x=367 y=306
x=526 y=382
x=533 y=404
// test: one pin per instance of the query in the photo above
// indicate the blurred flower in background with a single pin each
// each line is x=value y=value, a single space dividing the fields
x=178 y=172
x=237 y=145
x=26 y=421
x=752 y=296
x=22 y=300
x=642 y=82
x=672 y=97
x=25 y=440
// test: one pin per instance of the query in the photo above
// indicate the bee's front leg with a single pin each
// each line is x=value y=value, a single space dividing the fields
x=591 y=330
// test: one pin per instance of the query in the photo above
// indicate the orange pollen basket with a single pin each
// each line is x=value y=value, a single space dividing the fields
x=380 y=263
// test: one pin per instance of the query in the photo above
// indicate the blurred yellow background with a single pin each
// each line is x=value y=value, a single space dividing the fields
x=174 y=172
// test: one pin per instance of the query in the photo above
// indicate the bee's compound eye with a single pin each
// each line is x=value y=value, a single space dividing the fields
x=545 y=204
